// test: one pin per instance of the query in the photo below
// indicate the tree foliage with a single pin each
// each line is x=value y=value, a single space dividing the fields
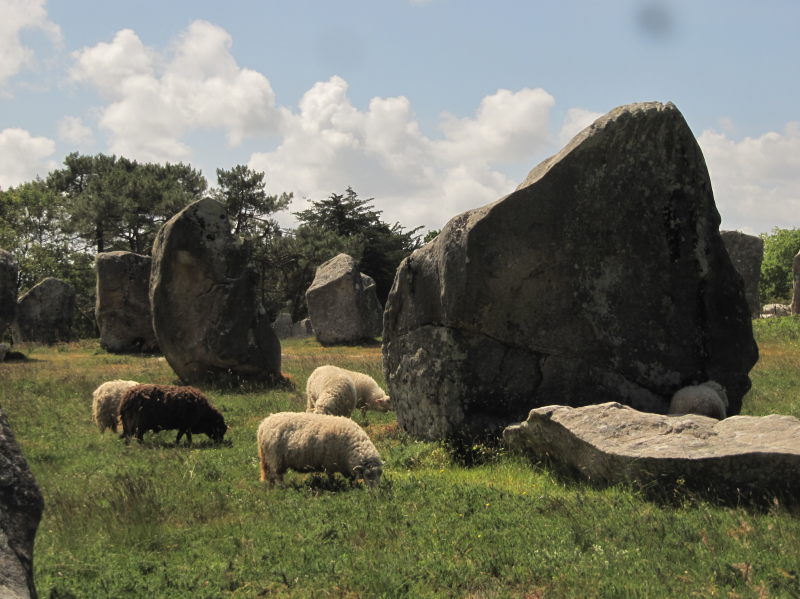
x=780 y=248
x=118 y=204
x=243 y=193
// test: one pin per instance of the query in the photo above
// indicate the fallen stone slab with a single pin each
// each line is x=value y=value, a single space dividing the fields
x=611 y=443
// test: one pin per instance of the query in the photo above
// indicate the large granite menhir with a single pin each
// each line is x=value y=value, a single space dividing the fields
x=206 y=315
x=44 y=313
x=122 y=307
x=8 y=289
x=21 y=506
x=612 y=443
x=602 y=277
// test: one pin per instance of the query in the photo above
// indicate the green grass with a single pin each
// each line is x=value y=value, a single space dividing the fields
x=162 y=521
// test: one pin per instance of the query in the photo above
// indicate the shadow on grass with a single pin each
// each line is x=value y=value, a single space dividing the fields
x=675 y=491
x=154 y=442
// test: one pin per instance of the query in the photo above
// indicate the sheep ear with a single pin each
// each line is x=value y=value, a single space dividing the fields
x=358 y=471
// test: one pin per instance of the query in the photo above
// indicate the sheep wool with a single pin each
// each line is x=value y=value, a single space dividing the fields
x=706 y=399
x=330 y=390
x=163 y=407
x=105 y=403
x=325 y=385
x=309 y=442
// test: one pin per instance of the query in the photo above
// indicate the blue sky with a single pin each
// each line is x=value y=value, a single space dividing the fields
x=431 y=107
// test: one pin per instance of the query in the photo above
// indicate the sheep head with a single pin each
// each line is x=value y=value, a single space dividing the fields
x=370 y=470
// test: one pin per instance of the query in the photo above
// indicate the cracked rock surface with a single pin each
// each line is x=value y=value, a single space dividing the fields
x=602 y=277
x=613 y=443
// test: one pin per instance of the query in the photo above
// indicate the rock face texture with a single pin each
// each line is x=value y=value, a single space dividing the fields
x=746 y=253
x=122 y=306
x=8 y=289
x=206 y=316
x=21 y=506
x=612 y=443
x=603 y=277
x=342 y=303
x=44 y=313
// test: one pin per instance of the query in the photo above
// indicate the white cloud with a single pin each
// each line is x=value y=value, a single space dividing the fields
x=157 y=99
x=16 y=16
x=381 y=151
x=575 y=121
x=23 y=157
x=756 y=181
x=72 y=130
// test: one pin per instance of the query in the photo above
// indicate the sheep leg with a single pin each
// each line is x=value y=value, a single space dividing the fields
x=262 y=464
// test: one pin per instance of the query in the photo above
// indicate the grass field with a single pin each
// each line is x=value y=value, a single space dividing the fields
x=162 y=521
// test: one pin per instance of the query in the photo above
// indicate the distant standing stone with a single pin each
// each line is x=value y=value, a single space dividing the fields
x=8 y=289
x=795 y=305
x=282 y=325
x=21 y=506
x=122 y=306
x=746 y=253
x=343 y=304
x=206 y=315
x=44 y=313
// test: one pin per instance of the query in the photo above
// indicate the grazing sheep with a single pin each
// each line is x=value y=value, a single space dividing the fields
x=330 y=390
x=326 y=386
x=706 y=399
x=163 y=407
x=105 y=403
x=308 y=442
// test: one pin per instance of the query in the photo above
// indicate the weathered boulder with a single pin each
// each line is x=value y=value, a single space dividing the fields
x=611 y=443
x=746 y=253
x=206 y=315
x=122 y=307
x=8 y=289
x=342 y=303
x=44 y=313
x=21 y=506
x=603 y=277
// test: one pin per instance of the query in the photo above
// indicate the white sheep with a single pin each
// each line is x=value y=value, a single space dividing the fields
x=330 y=390
x=326 y=386
x=706 y=399
x=105 y=400
x=308 y=442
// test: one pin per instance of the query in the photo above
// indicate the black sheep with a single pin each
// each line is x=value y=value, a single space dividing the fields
x=167 y=407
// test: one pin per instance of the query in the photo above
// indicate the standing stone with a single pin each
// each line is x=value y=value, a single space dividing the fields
x=8 y=290
x=21 y=506
x=303 y=328
x=44 y=313
x=342 y=303
x=282 y=325
x=206 y=315
x=602 y=277
x=795 y=305
x=122 y=307
x=746 y=253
